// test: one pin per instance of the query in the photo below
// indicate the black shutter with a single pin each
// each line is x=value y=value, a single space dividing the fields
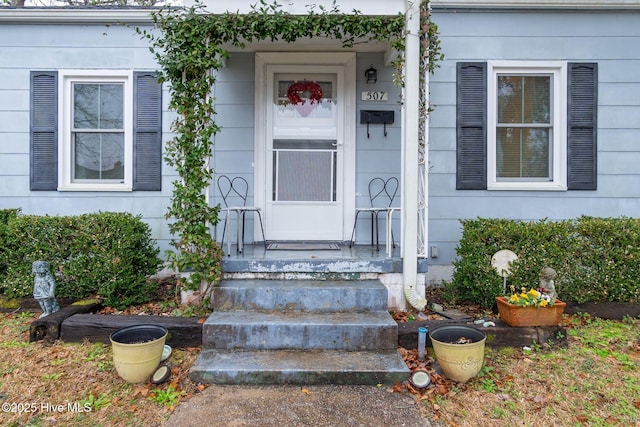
x=582 y=126
x=147 y=132
x=43 y=128
x=471 y=126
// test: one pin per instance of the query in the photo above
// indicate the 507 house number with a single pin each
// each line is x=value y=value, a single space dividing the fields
x=375 y=96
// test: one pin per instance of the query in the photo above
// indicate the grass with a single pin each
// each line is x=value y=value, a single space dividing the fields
x=76 y=383
x=594 y=381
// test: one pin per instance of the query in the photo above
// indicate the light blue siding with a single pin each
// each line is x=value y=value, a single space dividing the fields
x=14 y=121
x=13 y=142
x=234 y=145
x=610 y=39
x=376 y=156
x=15 y=164
x=235 y=115
x=14 y=99
x=24 y=48
x=235 y=139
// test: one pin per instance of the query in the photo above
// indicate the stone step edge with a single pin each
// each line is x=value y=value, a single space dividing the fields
x=286 y=283
x=299 y=367
x=299 y=318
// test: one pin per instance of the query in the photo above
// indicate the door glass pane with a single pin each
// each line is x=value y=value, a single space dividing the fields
x=305 y=106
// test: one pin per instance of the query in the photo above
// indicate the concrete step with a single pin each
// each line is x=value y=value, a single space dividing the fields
x=300 y=295
x=299 y=367
x=374 y=330
x=300 y=332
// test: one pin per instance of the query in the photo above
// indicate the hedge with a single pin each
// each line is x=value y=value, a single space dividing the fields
x=597 y=259
x=107 y=254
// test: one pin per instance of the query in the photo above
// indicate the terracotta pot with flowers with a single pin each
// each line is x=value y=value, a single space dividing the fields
x=530 y=308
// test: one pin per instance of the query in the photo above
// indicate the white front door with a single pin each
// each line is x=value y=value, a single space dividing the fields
x=304 y=162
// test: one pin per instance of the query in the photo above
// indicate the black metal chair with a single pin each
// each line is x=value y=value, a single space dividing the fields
x=381 y=196
x=237 y=187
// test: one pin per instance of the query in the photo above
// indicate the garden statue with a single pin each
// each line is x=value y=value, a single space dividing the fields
x=44 y=288
x=547 y=274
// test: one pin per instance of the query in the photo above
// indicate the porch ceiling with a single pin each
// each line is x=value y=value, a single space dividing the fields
x=316 y=44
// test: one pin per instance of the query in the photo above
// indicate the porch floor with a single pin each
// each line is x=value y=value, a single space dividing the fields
x=357 y=259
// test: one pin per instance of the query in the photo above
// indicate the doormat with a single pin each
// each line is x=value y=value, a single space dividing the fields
x=304 y=246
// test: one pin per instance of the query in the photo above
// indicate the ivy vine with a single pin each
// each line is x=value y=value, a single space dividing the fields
x=190 y=45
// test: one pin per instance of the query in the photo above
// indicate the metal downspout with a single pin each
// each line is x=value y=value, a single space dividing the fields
x=410 y=160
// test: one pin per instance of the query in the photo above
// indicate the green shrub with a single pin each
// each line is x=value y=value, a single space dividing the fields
x=106 y=254
x=597 y=259
x=5 y=216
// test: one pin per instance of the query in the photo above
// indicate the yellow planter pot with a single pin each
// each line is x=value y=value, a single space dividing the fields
x=137 y=351
x=459 y=362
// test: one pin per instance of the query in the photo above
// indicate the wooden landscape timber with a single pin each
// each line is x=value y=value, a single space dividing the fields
x=605 y=310
x=78 y=322
x=48 y=327
x=500 y=335
x=183 y=331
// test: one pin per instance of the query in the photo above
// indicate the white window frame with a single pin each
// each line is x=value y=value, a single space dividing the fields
x=65 y=106
x=558 y=71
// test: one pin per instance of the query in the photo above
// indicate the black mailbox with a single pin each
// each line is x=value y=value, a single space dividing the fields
x=377 y=117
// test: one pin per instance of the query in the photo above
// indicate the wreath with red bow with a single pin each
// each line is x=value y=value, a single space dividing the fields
x=297 y=88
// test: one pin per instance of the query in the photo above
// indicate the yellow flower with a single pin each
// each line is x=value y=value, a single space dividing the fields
x=530 y=298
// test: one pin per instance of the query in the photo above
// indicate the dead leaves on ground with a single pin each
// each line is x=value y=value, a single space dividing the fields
x=151 y=308
x=440 y=385
x=141 y=390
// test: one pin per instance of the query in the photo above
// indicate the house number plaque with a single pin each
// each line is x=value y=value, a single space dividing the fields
x=375 y=96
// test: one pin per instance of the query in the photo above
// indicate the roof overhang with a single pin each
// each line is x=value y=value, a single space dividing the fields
x=142 y=15
x=538 y=4
x=65 y=15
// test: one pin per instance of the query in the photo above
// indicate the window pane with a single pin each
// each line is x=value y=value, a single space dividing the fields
x=524 y=99
x=98 y=106
x=98 y=156
x=523 y=153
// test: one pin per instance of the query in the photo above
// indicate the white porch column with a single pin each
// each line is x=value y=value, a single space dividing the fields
x=410 y=145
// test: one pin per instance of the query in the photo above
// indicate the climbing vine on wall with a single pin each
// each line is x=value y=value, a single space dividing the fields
x=190 y=45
